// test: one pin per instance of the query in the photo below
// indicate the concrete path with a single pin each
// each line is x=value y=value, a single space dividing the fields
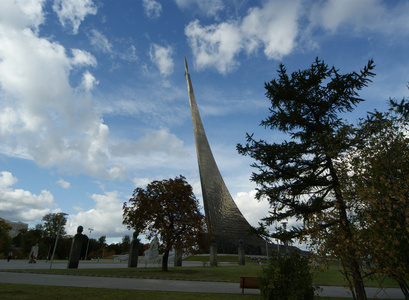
x=193 y=286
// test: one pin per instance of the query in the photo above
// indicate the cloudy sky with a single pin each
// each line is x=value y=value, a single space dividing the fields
x=93 y=98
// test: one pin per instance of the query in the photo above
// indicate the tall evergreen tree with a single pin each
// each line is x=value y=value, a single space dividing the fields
x=299 y=176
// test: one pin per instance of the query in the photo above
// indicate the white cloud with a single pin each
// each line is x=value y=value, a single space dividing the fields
x=73 y=12
x=152 y=8
x=105 y=218
x=21 y=205
x=130 y=54
x=209 y=8
x=100 y=41
x=273 y=27
x=382 y=16
x=277 y=25
x=88 y=81
x=215 y=45
x=83 y=58
x=42 y=117
x=149 y=151
x=252 y=209
x=64 y=184
x=141 y=182
x=22 y=13
x=161 y=56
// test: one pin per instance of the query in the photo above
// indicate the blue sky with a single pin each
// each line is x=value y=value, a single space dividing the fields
x=93 y=98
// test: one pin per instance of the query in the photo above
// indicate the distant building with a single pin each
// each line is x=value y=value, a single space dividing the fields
x=16 y=227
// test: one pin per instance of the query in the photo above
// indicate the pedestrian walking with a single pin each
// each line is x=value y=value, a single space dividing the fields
x=10 y=256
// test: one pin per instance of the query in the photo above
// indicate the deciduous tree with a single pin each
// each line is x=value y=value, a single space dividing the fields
x=5 y=239
x=299 y=176
x=378 y=182
x=51 y=224
x=169 y=209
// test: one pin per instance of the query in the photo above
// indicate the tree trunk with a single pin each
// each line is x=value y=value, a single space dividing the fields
x=165 y=261
x=351 y=258
x=404 y=287
x=358 y=281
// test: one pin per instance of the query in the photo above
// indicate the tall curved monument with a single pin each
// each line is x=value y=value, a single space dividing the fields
x=224 y=219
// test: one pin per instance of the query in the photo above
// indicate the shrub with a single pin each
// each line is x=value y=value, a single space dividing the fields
x=287 y=277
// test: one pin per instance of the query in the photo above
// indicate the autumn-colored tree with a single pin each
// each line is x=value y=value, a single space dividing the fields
x=379 y=184
x=169 y=209
x=299 y=177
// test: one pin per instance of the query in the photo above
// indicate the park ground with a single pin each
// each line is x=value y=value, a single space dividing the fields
x=193 y=270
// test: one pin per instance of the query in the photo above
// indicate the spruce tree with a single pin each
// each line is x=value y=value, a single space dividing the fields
x=299 y=176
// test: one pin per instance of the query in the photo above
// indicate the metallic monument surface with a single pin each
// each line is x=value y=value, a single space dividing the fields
x=224 y=219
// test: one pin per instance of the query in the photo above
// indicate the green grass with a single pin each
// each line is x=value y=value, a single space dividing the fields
x=333 y=276
x=330 y=276
x=220 y=258
x=197 y=273
x=29 y=291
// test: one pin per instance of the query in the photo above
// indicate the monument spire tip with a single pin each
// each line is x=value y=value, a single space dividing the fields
x=186 y=70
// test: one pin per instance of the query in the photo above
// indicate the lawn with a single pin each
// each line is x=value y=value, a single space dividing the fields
x=329 y=276
x=220 y=258
x=232 y=273
x=28 y=291
x=333 y=276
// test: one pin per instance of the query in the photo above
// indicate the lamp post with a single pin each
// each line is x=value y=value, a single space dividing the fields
x=285 y=241
x=58 y=233
x=86 y=252
x=267 y=248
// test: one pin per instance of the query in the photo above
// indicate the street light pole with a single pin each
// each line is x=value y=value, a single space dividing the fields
x=285 y=241
x=58 y=233
x=86 y=252
x=267 y=248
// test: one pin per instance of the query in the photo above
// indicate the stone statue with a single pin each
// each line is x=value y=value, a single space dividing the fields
x=213 y=253
x=153 y=250
x=78 y=242
x=242 y=257
x=134 y=251
x=178 y=258
x=33 y=254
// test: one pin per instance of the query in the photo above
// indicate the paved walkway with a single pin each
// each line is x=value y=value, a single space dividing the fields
x=193 y=286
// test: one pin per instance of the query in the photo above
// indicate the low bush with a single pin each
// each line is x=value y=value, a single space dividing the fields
x=287 y=277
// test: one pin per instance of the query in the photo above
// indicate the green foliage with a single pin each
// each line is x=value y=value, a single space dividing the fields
x=5 y=239
x=299 y=176
x=51 y=224
x=28 y=238
x=287 y=278
x=378 y=184
x=102 y=241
